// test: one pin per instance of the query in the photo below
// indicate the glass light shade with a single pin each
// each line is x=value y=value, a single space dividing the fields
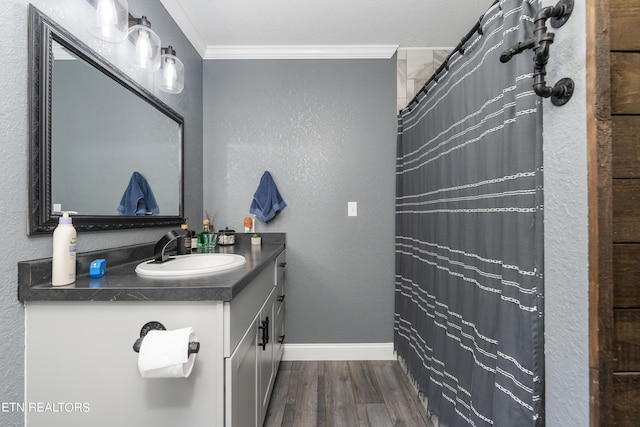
x=109 y=20
x=147 y=46
x=170 y=75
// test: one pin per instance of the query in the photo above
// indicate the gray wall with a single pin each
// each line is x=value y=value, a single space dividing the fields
x=325 y=129
x=14 y=160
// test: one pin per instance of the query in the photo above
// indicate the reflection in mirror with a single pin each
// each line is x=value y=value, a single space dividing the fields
x=101 y=135
x=93 y=128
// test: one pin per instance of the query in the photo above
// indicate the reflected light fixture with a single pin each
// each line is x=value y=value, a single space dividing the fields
x=170 y=75
x=109 y=20
x=147 y=44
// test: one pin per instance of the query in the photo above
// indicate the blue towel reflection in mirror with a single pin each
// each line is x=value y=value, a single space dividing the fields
x=138 y=199
x=267 y=201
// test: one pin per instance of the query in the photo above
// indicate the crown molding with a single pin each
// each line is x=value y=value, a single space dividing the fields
x=301 y=52
x=176 y=11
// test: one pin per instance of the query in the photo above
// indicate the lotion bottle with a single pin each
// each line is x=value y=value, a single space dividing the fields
x=63 y=265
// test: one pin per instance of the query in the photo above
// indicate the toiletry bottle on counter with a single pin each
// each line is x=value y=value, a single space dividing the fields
x=206 y=239
x=184 y=243
x=248 y=224
x=63 y=263
x=194 y=241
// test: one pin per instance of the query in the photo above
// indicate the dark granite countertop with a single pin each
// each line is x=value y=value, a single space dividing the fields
x=121 y=283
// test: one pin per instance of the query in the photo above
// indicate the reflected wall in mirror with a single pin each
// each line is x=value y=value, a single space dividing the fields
x=119 y=134
x=92 y=127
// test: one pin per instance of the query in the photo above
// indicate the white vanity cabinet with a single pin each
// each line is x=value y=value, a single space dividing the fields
x=81 y=369
x=252 y=367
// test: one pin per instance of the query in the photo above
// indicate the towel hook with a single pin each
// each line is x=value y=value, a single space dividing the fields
x=540 y=42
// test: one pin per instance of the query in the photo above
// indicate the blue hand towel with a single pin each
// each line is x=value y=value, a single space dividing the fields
x=267 y=201
x=138 y=199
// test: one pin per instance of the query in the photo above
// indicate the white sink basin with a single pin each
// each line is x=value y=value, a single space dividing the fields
x=190 y=265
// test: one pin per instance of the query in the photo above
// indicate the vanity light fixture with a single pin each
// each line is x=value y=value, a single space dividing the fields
x=170 y=75
x=109 y=20
x=147 y=44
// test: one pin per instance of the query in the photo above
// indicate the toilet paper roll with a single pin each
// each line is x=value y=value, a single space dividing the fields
x=164 y=354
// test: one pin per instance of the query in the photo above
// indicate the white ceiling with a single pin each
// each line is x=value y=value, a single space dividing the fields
x=216 y=26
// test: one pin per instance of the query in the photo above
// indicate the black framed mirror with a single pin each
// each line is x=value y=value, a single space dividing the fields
x=97 y=138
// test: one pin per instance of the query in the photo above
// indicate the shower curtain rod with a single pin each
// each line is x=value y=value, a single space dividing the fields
x=540 y=42
x=477 y=28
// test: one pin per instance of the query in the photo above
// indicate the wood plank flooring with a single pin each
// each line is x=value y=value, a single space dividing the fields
x=344 y=393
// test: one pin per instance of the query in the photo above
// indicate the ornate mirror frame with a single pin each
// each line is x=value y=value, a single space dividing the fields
x=42 y=32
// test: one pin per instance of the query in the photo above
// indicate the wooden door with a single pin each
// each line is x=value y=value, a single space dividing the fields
x=614 y=41
x=625 y=149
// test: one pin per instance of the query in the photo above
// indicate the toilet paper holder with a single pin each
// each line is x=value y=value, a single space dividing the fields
x=194 y=347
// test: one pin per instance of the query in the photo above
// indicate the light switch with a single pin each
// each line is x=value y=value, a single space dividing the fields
x=352 y=208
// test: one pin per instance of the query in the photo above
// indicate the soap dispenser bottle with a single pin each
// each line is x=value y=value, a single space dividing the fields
x=63 y=264
x=184 y=243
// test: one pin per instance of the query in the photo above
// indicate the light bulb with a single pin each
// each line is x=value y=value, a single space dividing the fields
x=170 y=76
x=107 y=16
x=143 y=47
x=108 y=21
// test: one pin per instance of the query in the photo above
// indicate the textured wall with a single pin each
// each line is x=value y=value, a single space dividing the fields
x=566 y=232
x=326 y=131
x=14 y=159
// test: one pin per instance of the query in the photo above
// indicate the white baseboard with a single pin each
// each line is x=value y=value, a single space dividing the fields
x=351 y=351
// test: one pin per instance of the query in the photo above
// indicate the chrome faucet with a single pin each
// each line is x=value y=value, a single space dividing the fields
x=158 y=251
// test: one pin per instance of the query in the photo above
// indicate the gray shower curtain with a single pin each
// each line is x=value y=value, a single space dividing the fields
x=469 y=238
